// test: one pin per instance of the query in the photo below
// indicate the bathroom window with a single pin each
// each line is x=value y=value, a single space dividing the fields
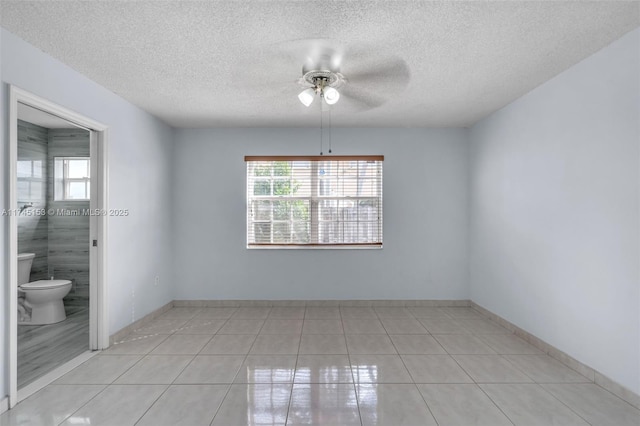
x=31 y=181
x=72 y=178
x=314 y=202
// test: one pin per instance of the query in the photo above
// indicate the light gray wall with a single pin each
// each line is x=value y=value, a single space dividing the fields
x=425 y=220
x=140 y=148
x=554 y=211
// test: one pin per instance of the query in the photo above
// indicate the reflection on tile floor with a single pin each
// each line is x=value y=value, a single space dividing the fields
x=325 y=366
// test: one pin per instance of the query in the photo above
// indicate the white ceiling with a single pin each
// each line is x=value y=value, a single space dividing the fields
x=235 y=63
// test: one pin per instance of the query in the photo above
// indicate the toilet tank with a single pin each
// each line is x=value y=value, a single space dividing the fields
x=24 y=267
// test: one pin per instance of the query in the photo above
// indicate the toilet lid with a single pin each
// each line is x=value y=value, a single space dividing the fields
x=44 y=284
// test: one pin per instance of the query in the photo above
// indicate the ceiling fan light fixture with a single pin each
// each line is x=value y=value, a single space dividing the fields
x=331 y=95
x=307 y=96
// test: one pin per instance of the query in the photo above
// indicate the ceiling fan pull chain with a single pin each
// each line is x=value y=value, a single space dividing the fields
x=321 y=123
x=330 y=130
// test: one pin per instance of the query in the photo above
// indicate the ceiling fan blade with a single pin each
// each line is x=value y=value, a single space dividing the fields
x=371 y=77
x=394 y=71
x=314 y=53
x=360 y=100
x=269 y=84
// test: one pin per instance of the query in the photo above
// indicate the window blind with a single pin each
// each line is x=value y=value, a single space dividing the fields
x=314 y=201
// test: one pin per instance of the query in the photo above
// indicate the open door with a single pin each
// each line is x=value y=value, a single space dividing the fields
x=98 y=334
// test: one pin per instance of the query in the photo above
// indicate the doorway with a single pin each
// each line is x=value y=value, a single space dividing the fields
x=58 y=192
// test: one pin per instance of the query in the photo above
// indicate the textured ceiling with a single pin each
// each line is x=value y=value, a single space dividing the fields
x=235 y=63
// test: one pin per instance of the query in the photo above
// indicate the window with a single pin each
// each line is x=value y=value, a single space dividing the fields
x=72 y=178
x=314 y=201
x=31 y=180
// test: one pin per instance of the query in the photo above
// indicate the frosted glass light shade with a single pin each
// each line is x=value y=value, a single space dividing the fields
x=307 y=96
x=331 y=95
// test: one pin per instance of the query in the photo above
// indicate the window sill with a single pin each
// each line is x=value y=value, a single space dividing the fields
x=314 y=246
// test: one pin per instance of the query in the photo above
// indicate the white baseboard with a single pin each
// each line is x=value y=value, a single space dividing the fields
x=590 y=373
x=328 y=303
x=120 y=334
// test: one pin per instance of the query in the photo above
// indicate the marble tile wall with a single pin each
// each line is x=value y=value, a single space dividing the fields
x=32 y=189
x=69 y=235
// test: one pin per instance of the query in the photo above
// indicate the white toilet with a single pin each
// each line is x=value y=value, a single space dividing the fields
x=44 y=297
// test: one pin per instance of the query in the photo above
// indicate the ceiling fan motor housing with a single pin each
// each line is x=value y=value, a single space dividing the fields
x=323 y=78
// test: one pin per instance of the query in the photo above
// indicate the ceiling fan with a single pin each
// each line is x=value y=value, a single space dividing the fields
x=364 y=76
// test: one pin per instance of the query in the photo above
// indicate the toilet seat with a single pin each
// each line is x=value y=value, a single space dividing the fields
x=44 y=284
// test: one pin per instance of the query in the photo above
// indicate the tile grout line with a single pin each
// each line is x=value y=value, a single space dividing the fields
x=353 y=377
x=491 y=317
x=518 y=368
x=613 y=394
x=83 y=405
x=170 y=384
x=241 y=364
x=415 y=385
x=106 y=386
x=474 y=381
x=534 y=382
x=539 y=343
x=494 y=403
x=295 y=368
x=238 y=372
x=250 y=347
x=173 y=333
x=563 y=403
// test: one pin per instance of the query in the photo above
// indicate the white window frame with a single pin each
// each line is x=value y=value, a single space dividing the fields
x=66 y=180
x=314 y=199
x=31 y=179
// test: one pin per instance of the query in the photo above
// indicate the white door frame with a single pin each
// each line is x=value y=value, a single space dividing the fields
x=98 y=316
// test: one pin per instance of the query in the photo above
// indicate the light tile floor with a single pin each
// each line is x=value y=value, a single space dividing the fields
x=323 y=366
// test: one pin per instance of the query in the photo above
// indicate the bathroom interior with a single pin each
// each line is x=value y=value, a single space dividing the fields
x=53 y=189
